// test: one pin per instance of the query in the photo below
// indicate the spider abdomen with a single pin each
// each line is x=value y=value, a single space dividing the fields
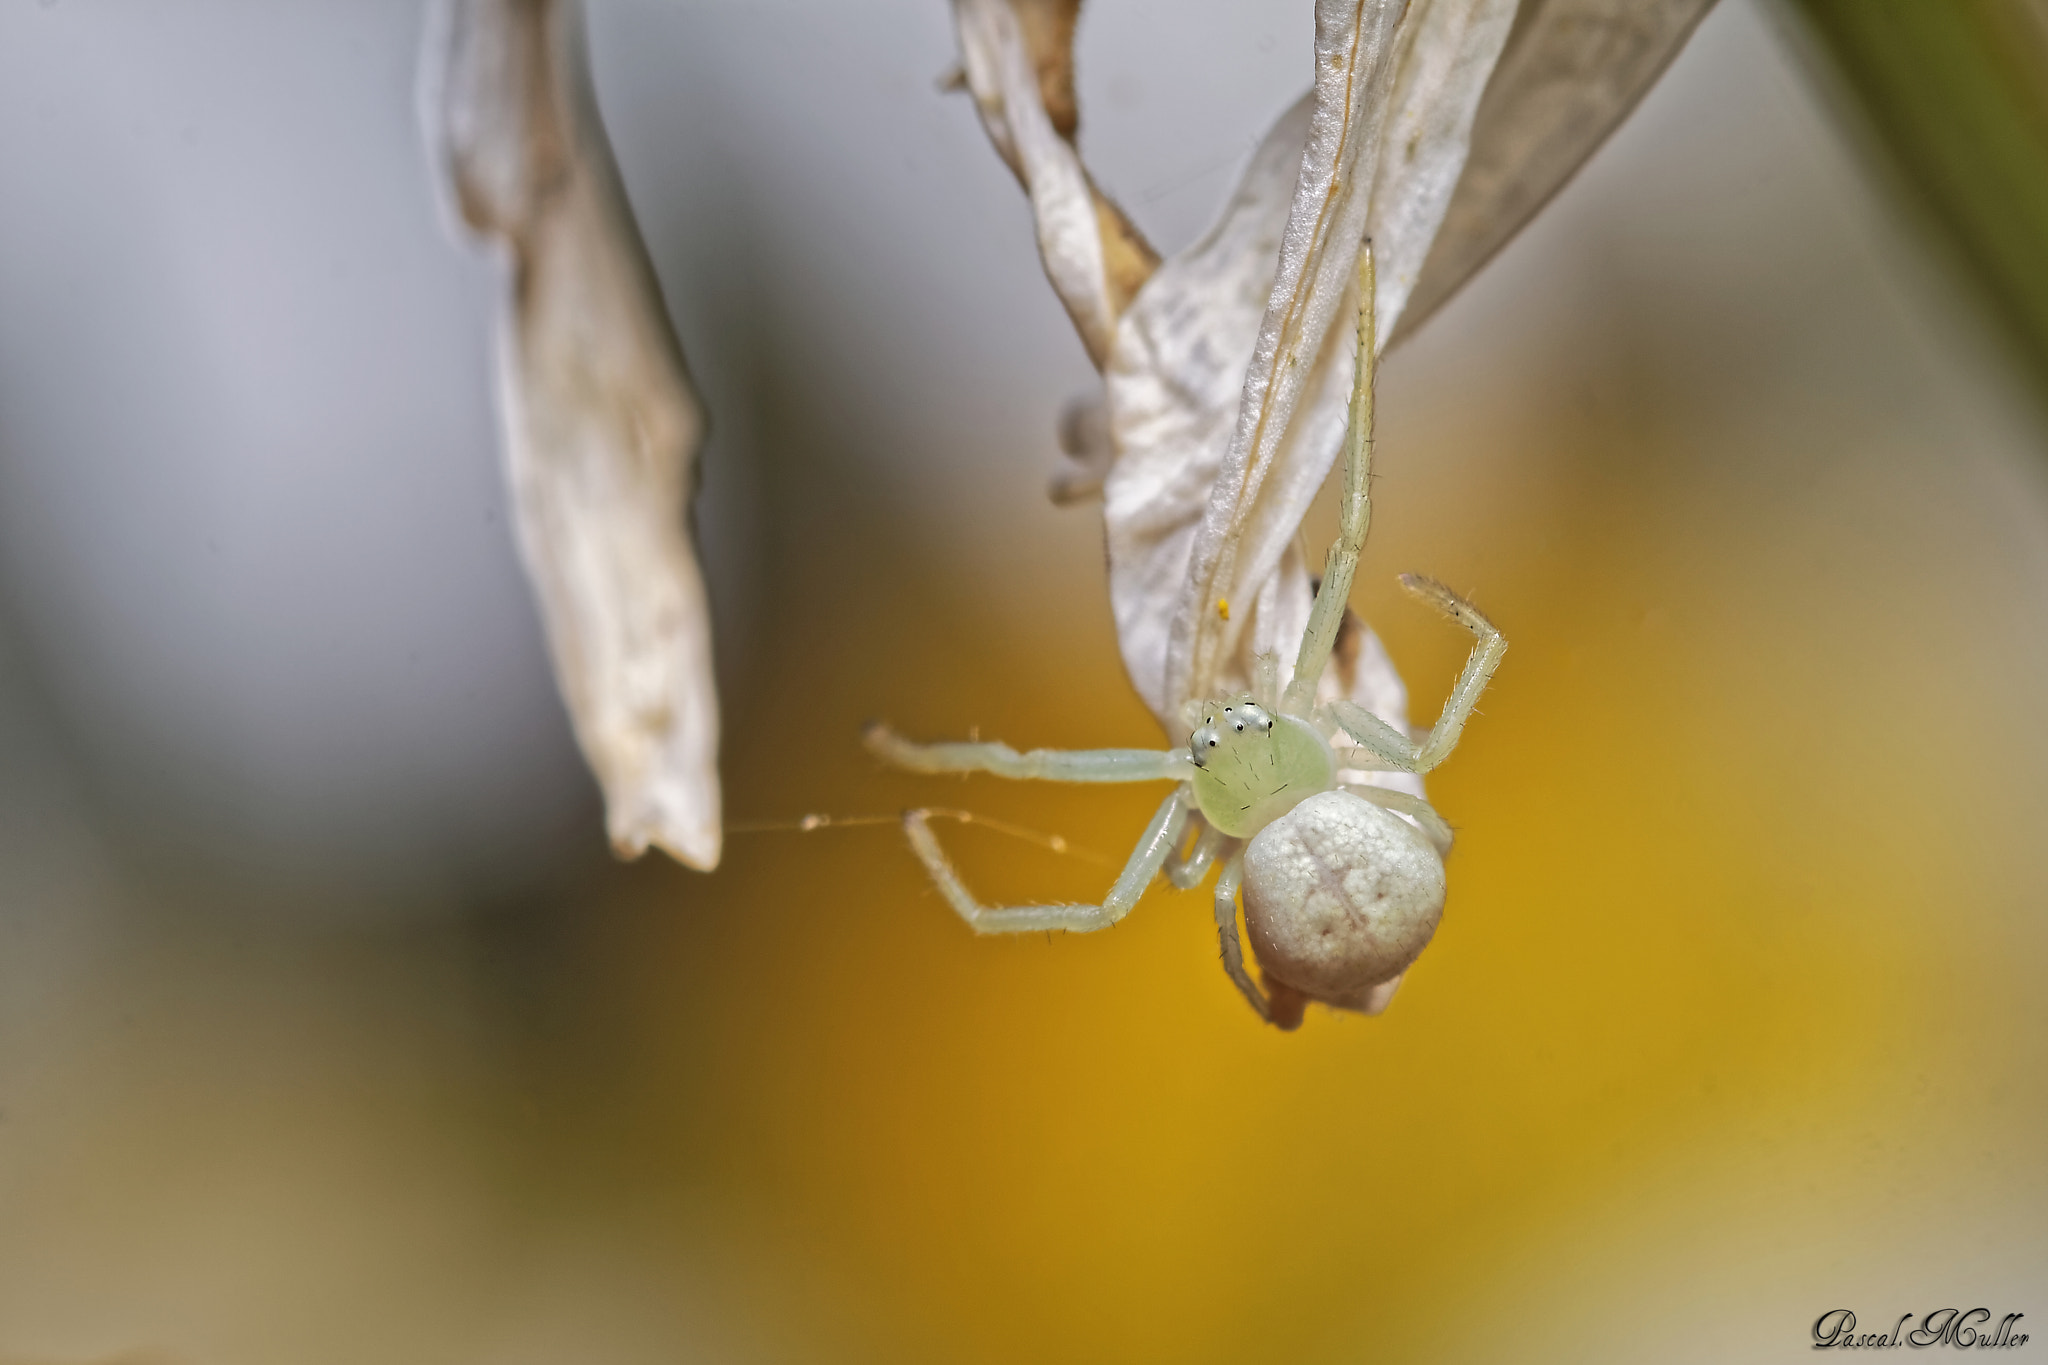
x=1339 y=896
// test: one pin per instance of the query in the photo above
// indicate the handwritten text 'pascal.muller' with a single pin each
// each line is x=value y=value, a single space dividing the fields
x=1836 y=1330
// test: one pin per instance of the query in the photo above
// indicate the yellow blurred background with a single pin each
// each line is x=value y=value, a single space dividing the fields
x=1734 y=1017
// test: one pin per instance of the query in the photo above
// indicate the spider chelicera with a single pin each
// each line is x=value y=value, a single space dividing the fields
x=1343 y=884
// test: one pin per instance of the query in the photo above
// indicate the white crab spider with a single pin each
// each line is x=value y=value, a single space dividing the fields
x=1343 y=885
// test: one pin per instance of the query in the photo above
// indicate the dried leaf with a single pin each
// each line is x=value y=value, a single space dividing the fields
x=1226 y=411
x=1018 y=60
x=1393 y=107
x=1572 y=71
x=1449 y=56
x=1174 y=386
x=601 y=427
x=1225 y=407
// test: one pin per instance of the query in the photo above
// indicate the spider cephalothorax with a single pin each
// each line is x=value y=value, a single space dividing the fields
x=1342 y=881
x=1251 y=766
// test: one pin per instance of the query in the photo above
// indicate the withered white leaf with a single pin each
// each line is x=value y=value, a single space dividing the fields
x=1017 y=56
x=1395 y=92
x=1225 y=385
x=1571 y=72
x=1173 y=387
x=601 y=428
x=1195 y=357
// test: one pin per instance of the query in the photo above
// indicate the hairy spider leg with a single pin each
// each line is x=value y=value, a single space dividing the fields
x=1397 y=750
x=1050 y=765
x=1433 y=826
x=1147 y=858
x=1226 y=936
x=1354 y=515
x=1186 y=870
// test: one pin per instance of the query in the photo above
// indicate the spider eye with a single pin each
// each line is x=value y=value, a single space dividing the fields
x=1212 y=743
x=1240 y=725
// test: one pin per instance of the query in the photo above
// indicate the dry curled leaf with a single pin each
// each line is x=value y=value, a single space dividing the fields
x=1017 y=56
x=1435 y=128
x=1225 y=407
x=1395 y=92
x=601 y=428
x=1571 y=72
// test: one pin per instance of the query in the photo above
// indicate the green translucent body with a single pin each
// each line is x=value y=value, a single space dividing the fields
x=1253 y=767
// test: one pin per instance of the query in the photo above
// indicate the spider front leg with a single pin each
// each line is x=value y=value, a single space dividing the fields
x=1397 y=750
x=1433 y=826
x=1147 y=858
x=1354 y=513
x=1050 y=765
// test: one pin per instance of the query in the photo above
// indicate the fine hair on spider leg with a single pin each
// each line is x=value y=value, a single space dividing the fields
x=1265 y=681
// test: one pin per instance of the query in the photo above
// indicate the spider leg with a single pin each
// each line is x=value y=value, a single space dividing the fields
x=1186 y=870
x=1415 y=808
x=1052 y=765
x=1233 y=948
x=1146 y=859
x=1397 y=750
x=1354 y=513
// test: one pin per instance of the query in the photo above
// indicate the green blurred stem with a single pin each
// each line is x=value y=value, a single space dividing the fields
x=1957 y=92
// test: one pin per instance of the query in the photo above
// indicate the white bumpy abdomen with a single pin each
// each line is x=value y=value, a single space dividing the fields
x=1340 y=895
